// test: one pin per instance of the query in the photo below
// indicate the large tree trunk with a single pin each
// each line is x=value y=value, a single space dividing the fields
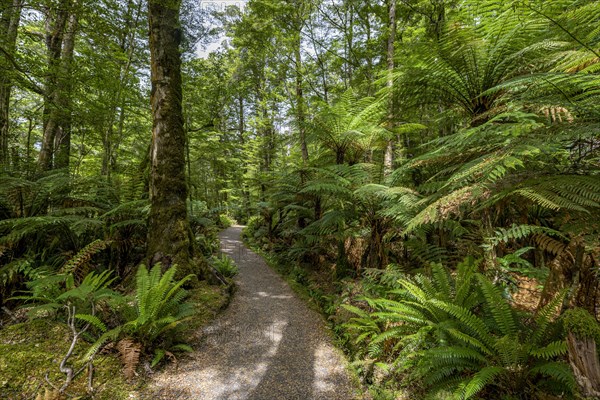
x=169 y=237
x=9 y=24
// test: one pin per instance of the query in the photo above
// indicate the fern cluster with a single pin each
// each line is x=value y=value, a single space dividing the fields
x=158 y=308
x=58 y=221
x=225 y=265
x=464 y=336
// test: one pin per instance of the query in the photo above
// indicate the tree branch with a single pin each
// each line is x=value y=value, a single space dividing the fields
x=23 y=77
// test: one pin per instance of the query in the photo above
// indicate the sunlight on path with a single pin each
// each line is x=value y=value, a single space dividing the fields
x=267 y=345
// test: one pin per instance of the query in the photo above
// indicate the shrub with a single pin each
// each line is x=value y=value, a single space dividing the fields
x=225 y=221
x=254 y=224
x=225 y=265
x=208 y=244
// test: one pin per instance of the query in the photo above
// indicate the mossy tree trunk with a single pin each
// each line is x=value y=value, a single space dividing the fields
x=169 y=237
x=10 y=15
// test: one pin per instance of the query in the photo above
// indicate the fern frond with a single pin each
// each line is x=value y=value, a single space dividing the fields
x=452 y=355
x=441 y=281
x=84 y=255
x=553 y=350
x=544 y=316
x=479 y=381
x=556 y=370
x=501 y=311
x=93 y=320
x=521 y=231
x=471 y=321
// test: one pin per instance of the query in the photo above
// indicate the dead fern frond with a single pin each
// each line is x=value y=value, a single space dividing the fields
x=129 y=351
x=551 y=245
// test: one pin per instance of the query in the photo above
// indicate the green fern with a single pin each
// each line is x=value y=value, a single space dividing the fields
x=225 y=265
x=470 y=340
x=159 y=308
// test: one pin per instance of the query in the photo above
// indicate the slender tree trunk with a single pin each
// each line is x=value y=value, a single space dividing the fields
x=28 y=159
x=9 y=24
x=388 y=159
x=241 y=133
x=266 y=133
x=321 y=64
x=350 y=41
x=56 y=23
x=370 y=69
x=118 y=106
x=300 y=104
x=169 y=233
x=62 y=143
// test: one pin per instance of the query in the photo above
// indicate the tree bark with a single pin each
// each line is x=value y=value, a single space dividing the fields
x=9 y=24
x=56 y=24
x=62 y=140
x=388 y=159
x=300 y=104
x=169 y=234
x=583 y=358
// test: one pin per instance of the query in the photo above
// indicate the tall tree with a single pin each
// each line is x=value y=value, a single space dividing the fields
x=126 y=25
x=62 y=139
x=10 y=15
x=169 y=237
x=388 y=161
x=60 y=41
x=300 y=12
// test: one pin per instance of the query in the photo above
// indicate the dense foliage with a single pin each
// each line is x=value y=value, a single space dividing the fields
x=372 y=146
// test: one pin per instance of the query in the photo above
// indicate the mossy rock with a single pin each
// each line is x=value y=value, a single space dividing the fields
x=30 y=350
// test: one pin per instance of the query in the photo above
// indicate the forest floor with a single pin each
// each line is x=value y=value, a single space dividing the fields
x=267 y=345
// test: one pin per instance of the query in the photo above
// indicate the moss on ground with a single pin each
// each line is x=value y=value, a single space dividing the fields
x=30 y=350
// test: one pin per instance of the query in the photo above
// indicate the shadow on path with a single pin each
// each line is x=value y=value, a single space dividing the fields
x=267 y=345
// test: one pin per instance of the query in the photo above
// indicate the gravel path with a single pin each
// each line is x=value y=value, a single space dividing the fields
x=267 y=345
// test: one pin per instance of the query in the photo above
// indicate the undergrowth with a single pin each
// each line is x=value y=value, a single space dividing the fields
x=435 y=334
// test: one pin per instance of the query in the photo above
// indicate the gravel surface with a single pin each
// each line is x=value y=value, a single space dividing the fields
x=267 y=345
